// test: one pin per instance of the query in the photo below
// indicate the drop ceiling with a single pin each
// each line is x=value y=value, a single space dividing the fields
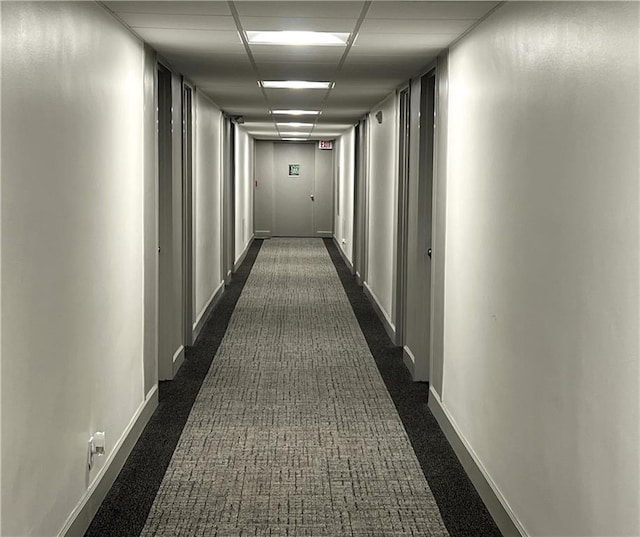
x=391 y=41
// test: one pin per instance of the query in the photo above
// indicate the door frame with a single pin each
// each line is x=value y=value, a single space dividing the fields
x=187 y=211
x=404 y=111
x=426 y=184
x=164 y=186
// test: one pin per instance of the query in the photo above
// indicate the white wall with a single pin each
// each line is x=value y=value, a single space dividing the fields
x=541 y=320
x=72 y=252
x=343 y=224
x=207 y=208
x=383 y=196
x=244 y=190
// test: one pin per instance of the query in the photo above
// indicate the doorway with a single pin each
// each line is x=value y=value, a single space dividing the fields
x=294 y=175
x=187 y=208
x=403 y=217
x=425 y=215
x=165 y=227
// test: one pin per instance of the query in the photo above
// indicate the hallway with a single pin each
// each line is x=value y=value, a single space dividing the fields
x=451 y=347
x=293 y=431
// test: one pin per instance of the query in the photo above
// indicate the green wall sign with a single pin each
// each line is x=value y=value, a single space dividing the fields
x=294 y=170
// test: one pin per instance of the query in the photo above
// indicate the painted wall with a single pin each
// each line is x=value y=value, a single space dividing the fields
x=383 y=196
x=541 y=368
x=244 y=190
x=207 y=208
x=73 y=221
x=344 y=214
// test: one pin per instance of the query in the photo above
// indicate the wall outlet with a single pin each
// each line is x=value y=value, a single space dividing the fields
x=97 y=446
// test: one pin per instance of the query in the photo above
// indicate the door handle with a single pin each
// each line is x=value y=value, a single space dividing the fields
x=429 y=253
x=313 y=198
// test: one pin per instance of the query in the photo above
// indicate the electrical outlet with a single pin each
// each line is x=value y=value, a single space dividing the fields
x=97 y=446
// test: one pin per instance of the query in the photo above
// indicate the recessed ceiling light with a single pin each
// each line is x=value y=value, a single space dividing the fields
x=295 y=84
x=295 y=139
x=285 y=37
x=296 y=112
x=294 y=124
x=294 y=134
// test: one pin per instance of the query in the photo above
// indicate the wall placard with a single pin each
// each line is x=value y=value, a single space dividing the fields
x=325 y=144
x=294 y=170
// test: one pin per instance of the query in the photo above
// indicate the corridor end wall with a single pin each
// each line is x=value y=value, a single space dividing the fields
x=541 y=368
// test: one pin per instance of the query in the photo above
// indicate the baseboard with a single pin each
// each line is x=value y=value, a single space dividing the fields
x=409 y=361
x=359 y=279
x=227 y=278
x=81 y=517
x=386 y=321
x=178 y=359
x=262 y=234
x=493 y=499
x=344 y=256
x=204 y=315
x=240 y=259
x=324 y=234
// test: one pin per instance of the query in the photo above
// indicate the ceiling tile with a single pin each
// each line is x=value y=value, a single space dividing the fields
x=297 y=99
x=172 y=8
x=429 y=10
x=376 y=42
x=182 y=22
x=194 y=40
x=338 y=9
x=402 y=27
x=296 y=70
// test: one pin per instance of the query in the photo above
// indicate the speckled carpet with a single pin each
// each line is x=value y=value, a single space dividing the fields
x=293 y=432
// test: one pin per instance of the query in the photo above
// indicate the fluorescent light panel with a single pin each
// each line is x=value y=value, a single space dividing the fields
x=295 y=84
x=295 y=139
x=297 y=38
x=294 y=124
x=296 y=112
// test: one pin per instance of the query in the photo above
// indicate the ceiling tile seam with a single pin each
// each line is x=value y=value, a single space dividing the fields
x=163 y=14
x=352 y=38
x=254 y=65
x=211 y=30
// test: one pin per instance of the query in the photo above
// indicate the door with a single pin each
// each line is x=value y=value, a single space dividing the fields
x=403 y=197
x=425 y=214
x=187 y=213
x=165 y=228
x=294 y=174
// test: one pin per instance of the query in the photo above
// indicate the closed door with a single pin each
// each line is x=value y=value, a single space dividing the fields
x=294 y=174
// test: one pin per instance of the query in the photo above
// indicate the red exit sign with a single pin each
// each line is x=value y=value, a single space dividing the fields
x=325 y=144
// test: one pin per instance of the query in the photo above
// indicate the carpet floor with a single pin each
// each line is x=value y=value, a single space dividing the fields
x=293 y=432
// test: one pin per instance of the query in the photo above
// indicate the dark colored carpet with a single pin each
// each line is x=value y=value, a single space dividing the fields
x=461 y=508
x=126 y=507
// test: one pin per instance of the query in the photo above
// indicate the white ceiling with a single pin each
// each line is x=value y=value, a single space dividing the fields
x=394 y=40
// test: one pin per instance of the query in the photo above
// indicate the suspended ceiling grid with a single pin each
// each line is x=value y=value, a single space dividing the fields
x=391 y=42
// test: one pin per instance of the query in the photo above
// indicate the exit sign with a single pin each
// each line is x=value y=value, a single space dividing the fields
x=325 y=144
